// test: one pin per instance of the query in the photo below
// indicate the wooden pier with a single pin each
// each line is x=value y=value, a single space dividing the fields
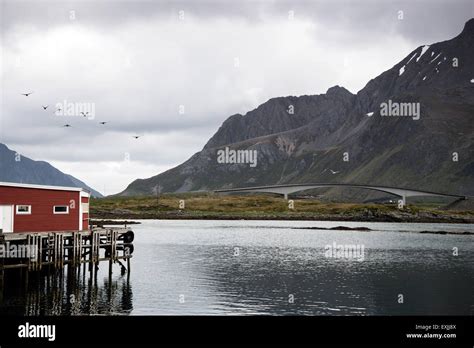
x=54 y=250
x=66 y=265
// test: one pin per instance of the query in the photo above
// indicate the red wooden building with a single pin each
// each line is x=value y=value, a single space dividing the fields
x=38 y=208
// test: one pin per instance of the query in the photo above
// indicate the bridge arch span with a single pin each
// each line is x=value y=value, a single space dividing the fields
x=285 y=190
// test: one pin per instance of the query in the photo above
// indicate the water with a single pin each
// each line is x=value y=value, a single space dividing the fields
x=267 y=267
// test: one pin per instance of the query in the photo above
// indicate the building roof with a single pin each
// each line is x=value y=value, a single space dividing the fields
x=42 y=187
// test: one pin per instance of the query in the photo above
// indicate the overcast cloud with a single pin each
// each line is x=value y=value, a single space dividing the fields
x=139 y=62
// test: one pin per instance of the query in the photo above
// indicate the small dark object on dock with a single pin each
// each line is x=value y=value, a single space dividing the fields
x=127 y=237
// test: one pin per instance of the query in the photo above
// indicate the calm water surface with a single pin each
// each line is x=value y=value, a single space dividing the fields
x=266 y=267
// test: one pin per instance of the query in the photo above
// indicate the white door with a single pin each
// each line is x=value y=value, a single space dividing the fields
x=6 y=218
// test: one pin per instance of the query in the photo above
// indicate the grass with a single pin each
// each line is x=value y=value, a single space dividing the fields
x=213 y=206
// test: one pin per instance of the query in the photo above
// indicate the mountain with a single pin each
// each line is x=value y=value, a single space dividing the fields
x=27 y=171
x=343 y=137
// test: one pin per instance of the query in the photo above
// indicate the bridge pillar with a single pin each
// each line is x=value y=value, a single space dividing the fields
x=285 y=195
x=402 y=202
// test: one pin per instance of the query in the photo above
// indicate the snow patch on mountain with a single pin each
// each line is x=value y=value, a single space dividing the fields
x=435 y=58
x=423 y=51
x=413 y=56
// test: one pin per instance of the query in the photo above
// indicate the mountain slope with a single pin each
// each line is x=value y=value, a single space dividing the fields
x=326 y=129
x=28 y=171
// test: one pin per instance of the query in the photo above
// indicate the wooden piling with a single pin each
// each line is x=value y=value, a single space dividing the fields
x=54 y=250
x=2 y=270
x=128 y=268
x=39 y=254
x=110 y=242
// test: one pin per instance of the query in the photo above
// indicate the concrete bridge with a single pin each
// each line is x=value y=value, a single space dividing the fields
x=284 y=190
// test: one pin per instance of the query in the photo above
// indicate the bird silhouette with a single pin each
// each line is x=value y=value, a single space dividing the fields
x=45 y=107
x=27 y=94
x=136 y=136
x=85 y=114
x=334 y=172
x=67 y=125
x=102 y=122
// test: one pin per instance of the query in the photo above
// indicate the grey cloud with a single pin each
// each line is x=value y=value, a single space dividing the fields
x=138 y=66
x=424 y=20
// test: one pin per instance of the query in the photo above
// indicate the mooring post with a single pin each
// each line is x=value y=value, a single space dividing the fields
x=34 y=250
x=128 y=267
x=28 y=246
x=95 y=274
x=96 y=247
x=111 y=256
x=55 y=257
x=57 y=250
x=62 y=250
x=76 y=249
x=50 y=251
x=91 y=264
x=72 y=252
x=39 y=255
x=91 y=249
x=31 y=246
x=91 y=254
x=81 y=247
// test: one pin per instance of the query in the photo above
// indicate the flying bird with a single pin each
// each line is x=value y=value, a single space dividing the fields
x=67 y=125
x=334 y=172
x=27 y=94
x=45 y=107
x=136 y=136
x=102 y=122
x=85 y=114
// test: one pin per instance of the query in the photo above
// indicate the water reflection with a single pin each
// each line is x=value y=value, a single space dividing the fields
x=199 y=261
x=71 y=291
x=301 y=281
x=237 y=267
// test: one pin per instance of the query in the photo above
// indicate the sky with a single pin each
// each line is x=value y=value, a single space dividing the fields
x=171 y=72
